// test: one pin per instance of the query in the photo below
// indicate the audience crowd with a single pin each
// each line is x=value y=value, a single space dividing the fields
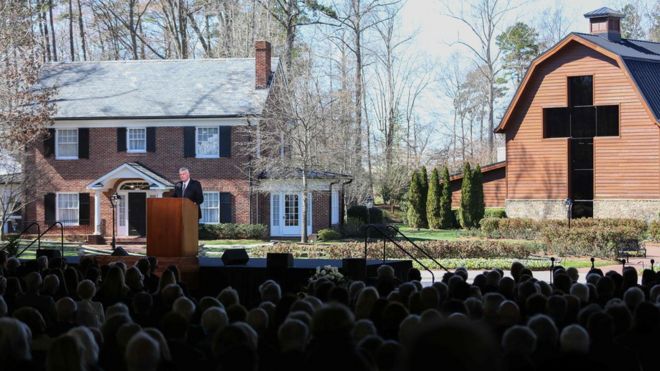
x=116 y=317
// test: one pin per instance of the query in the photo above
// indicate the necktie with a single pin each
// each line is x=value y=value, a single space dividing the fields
x=183 y=191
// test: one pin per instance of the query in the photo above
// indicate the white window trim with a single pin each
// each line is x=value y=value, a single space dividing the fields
x=202 y=207
x=57 y=209
x=57 y=146
x=128 y=141
x=197 y=155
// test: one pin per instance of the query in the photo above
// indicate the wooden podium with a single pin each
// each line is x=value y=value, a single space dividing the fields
x=172 y=227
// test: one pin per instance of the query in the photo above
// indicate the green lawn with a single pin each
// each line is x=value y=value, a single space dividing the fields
x=431 y=234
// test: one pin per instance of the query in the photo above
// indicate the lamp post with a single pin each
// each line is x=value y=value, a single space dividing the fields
x=113 y=202
x=569 y=210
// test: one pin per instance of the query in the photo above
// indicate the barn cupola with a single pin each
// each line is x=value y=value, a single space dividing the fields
x=605 y=22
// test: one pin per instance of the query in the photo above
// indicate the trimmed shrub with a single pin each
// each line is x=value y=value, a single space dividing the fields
x=415 y=213
x=597 y=240
x=376 y=216
x=654 y=231
x=232 y=231
x=494 y=212
x=359 y=212
x=327 y=234
x=424 y=181
x=462 y=249
x=352 y=227
x=433 y=201
x=447 y=217
x=477 y=207
x=467 y=194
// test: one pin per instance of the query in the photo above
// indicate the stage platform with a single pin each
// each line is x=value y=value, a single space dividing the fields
x=208 y=276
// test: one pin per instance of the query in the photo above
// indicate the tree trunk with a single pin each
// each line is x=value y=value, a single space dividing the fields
x=71 y=47
x=132 y=28
x=82 y=31
x=303 y=234
x=52 y=29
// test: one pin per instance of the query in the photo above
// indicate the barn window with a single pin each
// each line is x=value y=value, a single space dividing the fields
x=580 y=91
x=556 y=122
x=583 y=122
x=607 y=119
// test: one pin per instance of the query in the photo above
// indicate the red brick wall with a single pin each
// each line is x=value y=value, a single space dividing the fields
x=220 y=174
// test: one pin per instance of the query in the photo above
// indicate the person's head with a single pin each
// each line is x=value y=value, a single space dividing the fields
x=302 y=305
x=207 y=302
x=142 y=353
x=228 y=296
x=654 y=294
x=174 y=326
x=545 y=330
x=66 y=310
x=257 y=318
x=574 y=339
x=620 y=315
x=385 y=272
x=354 y=290
x=134 y=279
x=508 y=313
x=365 y=302
x=114 y=283
x=270 y=291
x=633 y=297
x=125 y=333
x=646 y=319
x=162 y=343
x=581 y=291
x=573 y=274
x=556 y=308
x=65 y=353
x=143 y=266
x=293 y=335
x=90 y=348
x=86 y=290
x=362 y=329
x=170 y=293
x=51 y=284
x=214 y=319
x=116 y=309
x=408 y=329
x=519 y=340
x=15 y=339
x=167 y=278
x=184 y=174
x=33 y=282
x=3 y=307
x=333 y=321
x=142 y=303
x=42 y=263
x=184 y=307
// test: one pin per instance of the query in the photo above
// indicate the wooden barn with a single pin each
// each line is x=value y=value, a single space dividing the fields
x=584 y=125
x=494 y=181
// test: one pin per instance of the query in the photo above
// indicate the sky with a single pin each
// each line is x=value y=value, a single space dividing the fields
x=436 y=35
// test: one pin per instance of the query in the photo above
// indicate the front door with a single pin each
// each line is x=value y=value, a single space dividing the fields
x=286 y=214
x=291 y=214
x=137 y=214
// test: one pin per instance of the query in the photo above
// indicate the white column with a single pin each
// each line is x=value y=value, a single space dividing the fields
x=97 y=213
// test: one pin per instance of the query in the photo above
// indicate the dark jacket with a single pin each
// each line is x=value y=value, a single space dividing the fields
x=193 y=192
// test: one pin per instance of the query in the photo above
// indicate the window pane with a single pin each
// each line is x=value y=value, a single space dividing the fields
x=275 y=217
x=67 y=208
x=582 y=154
x=137 y=139
x=208 y=141
x=556 y=123
x=583 y=184
x=211 y=208
x=67 y=143
x=608 y=121
x=583 y=122
x=580 y=91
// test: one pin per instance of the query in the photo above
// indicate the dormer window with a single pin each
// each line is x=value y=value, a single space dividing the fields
x=580 y=91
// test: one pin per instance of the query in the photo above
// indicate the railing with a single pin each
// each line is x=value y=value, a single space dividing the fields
x=38 y=240
x=16 y=240
x=397 y=231
x=387 y=237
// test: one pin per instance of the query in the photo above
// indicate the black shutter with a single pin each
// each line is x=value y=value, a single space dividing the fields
x=121 y=139
x=83 y=143
x=189 y=141
x=151 y=139
x=225 y=207
x=225 y=141
x=83 y=209
x=49 y=208
x=49 y=143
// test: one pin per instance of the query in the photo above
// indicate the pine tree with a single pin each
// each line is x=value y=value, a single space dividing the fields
x=424 y=180
x=433 y=201
x=446 y=215
x=478 y=207
x=466 y=198
x=414 y=201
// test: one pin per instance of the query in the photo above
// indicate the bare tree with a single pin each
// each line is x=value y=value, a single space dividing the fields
x=483 y=20
x=25 y=108
x=81 y=28
x=554 y=25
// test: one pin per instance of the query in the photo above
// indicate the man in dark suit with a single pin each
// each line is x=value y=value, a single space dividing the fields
x=189 y=188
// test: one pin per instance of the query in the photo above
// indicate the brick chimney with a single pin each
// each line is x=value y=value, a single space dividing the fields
x=606 y=23
x=262 y=64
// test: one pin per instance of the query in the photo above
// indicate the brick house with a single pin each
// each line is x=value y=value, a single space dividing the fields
x=584 y=125
x=125 y=128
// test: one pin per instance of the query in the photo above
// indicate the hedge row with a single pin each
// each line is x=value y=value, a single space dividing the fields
x=529 y=229
x=232 y=231
x=654 y=231
x=466 y=249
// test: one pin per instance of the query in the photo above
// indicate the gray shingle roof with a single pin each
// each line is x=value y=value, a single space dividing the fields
x=642 y=59
x=156 y=88
x=603 y=12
